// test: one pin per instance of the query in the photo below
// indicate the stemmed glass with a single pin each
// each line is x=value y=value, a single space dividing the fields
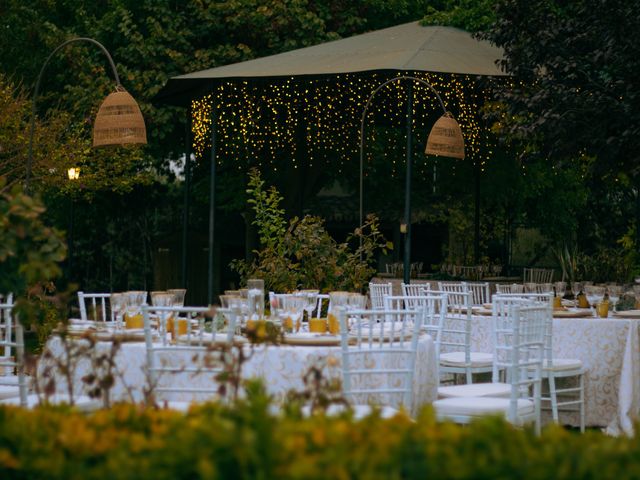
x=311 y=298
x=595 y=294
x=337 y=301
x=178 y=296
x=614 y=291
x=118 y=307
x=133 y=315
x=560 y=288
x=164 y=299
x=255 y=295
x=292 y=311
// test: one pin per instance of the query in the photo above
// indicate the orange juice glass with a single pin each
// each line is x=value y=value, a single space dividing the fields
x=318 y=325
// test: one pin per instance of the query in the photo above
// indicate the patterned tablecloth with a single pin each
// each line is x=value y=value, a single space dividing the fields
x=281 y=367
x=610 y=352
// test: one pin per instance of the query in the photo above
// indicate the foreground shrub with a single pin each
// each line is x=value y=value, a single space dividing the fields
x=245 y=441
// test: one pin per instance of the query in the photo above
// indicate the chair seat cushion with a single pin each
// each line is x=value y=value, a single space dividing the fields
x=8 y=391
x=359 y=411
x=456 y=359
x=563 y=364
x=478 y=406
x=81 y=402
x=8 y=379
x=476 y=390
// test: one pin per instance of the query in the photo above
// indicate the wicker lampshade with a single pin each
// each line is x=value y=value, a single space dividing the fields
x=119 y=121
x=446 y=138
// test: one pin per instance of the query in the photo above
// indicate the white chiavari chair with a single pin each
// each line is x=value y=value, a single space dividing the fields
x=456 y=354
x=537 y=275
x=379 y=357
x=377 y=292
x=13 y=383
x=432 y=308
x=519 y=349
x=22 y=397
x=415 y=289
x=558 y=396
x=480 y=291
x=94 y=306
x=183 y=363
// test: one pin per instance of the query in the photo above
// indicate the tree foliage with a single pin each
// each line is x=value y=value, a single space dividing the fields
x=30 y=252
x=303 y=254
x=579 y=90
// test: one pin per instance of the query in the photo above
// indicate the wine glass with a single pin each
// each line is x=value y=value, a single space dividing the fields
x=178 y=296
x=614 y=291
x=292 y=310
x=255 y=295
x=595 y=294
x=118 y=306
x=133 y=311
x=311 y=297
x=164 y=299
x=337 y=301
x=560 y=288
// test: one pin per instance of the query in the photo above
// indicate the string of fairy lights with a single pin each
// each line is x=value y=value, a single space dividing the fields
x=265 y=121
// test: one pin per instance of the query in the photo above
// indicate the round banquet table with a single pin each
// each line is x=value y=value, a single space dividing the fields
x=280 y=366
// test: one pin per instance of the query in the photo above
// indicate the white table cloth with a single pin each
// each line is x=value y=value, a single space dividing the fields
x=281 y=367
x=610 y=352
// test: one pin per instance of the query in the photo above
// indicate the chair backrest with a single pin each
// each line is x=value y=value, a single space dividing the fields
x=469 y=272
x=432 y=308
x=6 y=323
x=510 y=288
x=415 y=289
x=185 y=367
x=537 y=275
x=519 y=349
x=377 y=292
x=453 y=287
x=94 y=306
x=379 y=355
x=456 y=330
x=12 y=346
x=322 y=307
x=502 y=303
x=480 y=292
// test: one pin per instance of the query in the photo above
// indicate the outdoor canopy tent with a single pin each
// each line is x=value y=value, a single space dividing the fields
x=410 y=47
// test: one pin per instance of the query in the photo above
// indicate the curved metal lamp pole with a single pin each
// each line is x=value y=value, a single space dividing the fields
x=406 y=227
x=141 y=138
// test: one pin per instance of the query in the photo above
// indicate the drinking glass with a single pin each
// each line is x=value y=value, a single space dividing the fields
x=291 y=313
x=178 y=296
x=614 y=291
x=118 y=307
x=595 y=295
x=356 y=301
x=255 y=295
x=559 y=288
x=163 y=298
x=133 y=312
x=225 y=300
x=311 y=301
x=576 y=288
x=337 y=301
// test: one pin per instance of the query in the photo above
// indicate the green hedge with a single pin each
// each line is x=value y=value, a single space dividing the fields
x=245 y=441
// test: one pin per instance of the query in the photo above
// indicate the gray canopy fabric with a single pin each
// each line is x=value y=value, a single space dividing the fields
x=408 y=48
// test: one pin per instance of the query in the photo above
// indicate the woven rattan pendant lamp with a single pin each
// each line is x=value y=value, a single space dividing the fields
x=446 y=138
x=118 y=122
